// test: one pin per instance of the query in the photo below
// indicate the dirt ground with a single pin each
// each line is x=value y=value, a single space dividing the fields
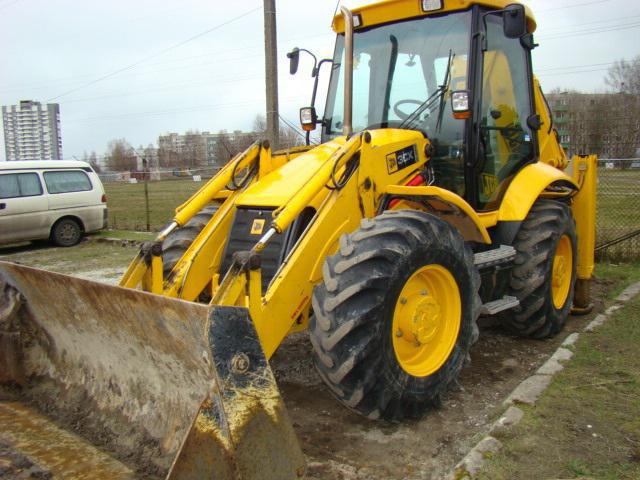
x=343 y=446
x=340 y=445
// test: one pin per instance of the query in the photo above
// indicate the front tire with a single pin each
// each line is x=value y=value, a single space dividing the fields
x=396 y=314
x=177 y=242
x=543 y=277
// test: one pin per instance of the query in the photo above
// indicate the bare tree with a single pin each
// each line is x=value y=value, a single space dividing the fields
x=93 y=161
x=194 y=151
x=121 y=156
x=624 y=76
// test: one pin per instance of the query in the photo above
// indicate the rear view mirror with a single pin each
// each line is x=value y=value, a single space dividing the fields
x=294 y=59
x=308 y=118
x=514 y=21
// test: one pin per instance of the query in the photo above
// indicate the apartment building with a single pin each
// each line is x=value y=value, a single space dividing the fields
x=32 y=131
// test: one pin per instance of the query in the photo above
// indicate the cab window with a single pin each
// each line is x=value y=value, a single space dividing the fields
x=13 y=185
x=67 y=181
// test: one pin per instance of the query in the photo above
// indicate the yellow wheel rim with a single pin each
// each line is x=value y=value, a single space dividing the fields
x=426 y=320
x=562 y=272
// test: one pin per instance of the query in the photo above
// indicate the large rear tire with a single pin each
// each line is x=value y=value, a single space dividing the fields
x=544 y=273
x=396 y=314
x=178 y=241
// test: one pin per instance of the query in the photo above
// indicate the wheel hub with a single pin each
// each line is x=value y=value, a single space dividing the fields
x=426 y=320
x=561 y=272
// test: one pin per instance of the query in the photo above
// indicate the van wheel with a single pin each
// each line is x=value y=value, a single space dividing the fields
x=66 y=233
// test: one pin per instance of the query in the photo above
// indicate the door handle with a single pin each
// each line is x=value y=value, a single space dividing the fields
x=3 y=206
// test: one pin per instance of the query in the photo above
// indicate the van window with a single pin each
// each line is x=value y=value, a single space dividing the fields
x=67 y=181
x=14 y=185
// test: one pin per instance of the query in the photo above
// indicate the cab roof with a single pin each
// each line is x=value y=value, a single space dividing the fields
x=42 y=164
x=386 y=11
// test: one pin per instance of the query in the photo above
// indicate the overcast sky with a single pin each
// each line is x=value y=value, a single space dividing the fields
x=159 y=78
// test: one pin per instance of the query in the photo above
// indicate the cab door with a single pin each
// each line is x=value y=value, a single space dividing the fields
x=506 y=141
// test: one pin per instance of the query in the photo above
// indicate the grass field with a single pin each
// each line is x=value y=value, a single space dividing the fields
x=587 y=424
x=127 y=205
x=618 y=212
x=618 y=207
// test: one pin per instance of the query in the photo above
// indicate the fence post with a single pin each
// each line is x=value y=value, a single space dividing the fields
x=146 y=193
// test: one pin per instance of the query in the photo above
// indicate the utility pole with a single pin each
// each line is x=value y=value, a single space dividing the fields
x=271 y=72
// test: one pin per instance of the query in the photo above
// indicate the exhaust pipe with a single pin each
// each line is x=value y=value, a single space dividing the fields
x=347 y=126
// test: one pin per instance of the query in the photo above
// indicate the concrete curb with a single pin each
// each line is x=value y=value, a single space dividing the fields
x=528 y=392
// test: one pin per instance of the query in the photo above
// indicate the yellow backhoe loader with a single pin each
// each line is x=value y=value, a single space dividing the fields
x=439 y=193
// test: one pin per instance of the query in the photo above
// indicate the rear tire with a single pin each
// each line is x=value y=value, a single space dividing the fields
x=178 y=241
x=544 y=272
x=66 y=233
x=358 y=351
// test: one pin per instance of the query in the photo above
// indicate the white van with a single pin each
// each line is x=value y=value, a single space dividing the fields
x=56 y=199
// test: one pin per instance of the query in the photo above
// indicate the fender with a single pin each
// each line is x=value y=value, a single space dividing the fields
x=529 y=184
x=447 y=205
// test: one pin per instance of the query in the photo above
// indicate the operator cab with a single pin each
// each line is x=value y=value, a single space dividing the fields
x=406 y=68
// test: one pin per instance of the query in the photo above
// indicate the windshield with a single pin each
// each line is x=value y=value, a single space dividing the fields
x=401 y=68
x=396 y=68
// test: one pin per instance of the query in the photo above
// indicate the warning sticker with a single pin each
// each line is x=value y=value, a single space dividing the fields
x=257 y=226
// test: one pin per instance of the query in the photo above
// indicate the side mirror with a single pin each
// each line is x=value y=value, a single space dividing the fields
x=308 y=118
x=294 y=59
x=460 y=104
x=514 y=21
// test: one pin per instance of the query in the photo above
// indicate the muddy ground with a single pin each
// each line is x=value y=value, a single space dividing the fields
x=339 y=444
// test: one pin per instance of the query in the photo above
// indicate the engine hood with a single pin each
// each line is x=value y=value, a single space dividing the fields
x=277 y=187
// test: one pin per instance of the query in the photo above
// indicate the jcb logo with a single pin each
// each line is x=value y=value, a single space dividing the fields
x=392 y=163
x=489 y=184
x=401 y=159
x=258 y=226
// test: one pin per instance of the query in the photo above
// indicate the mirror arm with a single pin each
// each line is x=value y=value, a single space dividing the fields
x=315 y=91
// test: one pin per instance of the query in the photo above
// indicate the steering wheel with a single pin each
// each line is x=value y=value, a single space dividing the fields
x=408 y=101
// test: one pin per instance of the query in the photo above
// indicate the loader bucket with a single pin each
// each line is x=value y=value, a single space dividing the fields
x=99 y=381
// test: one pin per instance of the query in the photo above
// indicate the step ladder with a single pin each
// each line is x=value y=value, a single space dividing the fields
x=497 y=256
x=495 y=306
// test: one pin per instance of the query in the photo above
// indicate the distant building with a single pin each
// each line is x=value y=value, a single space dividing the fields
x=201 y=148
x=607 y=124
x=31 y=131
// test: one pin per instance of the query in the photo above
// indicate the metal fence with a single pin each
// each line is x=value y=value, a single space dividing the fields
x=618 y=210
x=133 y=208
x=146 y=201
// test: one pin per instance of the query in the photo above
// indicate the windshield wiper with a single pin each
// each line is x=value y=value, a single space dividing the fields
x=439 y=94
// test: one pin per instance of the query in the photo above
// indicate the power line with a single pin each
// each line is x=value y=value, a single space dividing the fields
x=294 y=128
x=289 y=100
x=573 y=5
x=161 y=52
x=574 y=66
x=612 y=28
x=6 y=5
x=628 y=17
x=40 y=86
